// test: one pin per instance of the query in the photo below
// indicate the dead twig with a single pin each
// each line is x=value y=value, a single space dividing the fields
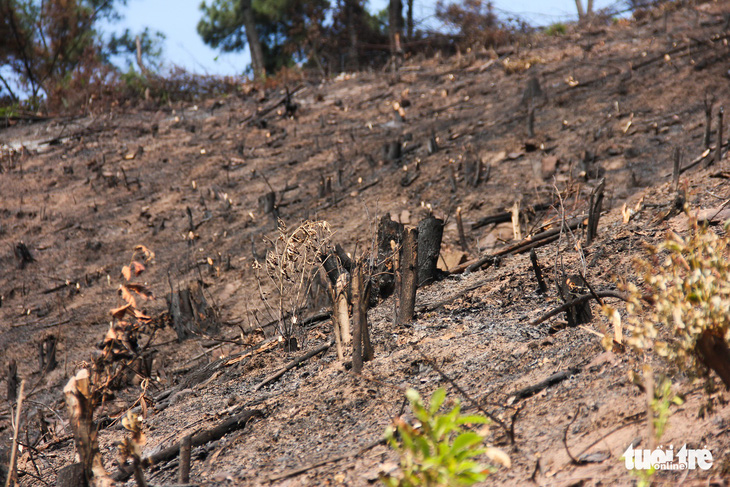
x=293 y=364
x=579 y=300
x=13 y=467
x=565 y=439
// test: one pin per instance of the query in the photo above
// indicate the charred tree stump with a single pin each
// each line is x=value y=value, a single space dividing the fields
x=345 y=259
x=408 y=273
x=337 y=283
x=12 y=381
x=714 y=353
x=531 y=120
x=462 y=234
x=71 y=476
x=359 y=317
x=343 y=316
x=383 y=283
x=22 y=253
x=541 y=286
x=393 y=150
x=679 y=196
x=677 y=168
x=184 y=468
x=570 y=287
x=267 y=204
x=708 y=121
x=432 y=146
x=718 y=154
x=331 y=266
x=430 y=233
x=473 y=171
x=47 y=354
x=594 y=212
x=191 y=314
x=532 y=92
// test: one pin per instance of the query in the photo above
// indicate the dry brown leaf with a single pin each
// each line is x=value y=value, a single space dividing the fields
x=140 y=315
x=111 y=334
x=128 y=296
x=147 y=253
x=126 y=272
x=118 y=313
x=137 y=267
x=139 y=289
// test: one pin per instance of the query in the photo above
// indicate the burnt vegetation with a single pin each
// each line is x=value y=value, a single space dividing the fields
x=235 y=281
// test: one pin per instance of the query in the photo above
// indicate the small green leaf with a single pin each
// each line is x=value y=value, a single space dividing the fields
x=465 y=441
x=437 y=399
x=473 y=419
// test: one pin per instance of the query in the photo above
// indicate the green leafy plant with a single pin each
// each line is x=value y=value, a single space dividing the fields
x=660 y=398
x=687 y=281
x=437 y=450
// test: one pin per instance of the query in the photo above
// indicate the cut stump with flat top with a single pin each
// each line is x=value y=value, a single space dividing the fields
x=191 y=314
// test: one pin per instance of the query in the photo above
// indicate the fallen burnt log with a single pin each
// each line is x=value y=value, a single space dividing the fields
x=505 y=216
x=234 y=423
x=556 y=378
x=524 y=245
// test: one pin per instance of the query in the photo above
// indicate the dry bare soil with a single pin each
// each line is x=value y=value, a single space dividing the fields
x=616 y=101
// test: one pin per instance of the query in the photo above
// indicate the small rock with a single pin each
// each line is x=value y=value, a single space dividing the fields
x=519 y=351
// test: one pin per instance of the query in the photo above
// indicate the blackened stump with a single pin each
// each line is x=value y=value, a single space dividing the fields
x=571 y=287
x=430 y=233
x=384 y=279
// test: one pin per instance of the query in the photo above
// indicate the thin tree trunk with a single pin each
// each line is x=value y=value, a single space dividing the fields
x=351 y=6
x=408 y=276
x=581 y=12
x=409 y=21
x=395 y=24
x=252 y=36
x=359 y=319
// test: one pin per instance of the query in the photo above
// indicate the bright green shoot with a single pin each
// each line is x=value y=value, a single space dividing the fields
x=439 y=451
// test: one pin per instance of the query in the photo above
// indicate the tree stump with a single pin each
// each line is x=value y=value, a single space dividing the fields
x=393 y=150
x=430 y=233
x=191 y=314
x=267 y=204
x=407 y=277
x=359 y=317
x=384 y=282
x=22 y=253
x=4 y=461
x=570 y=288
x=714 y=353
x=47 y=354
x=12 y=381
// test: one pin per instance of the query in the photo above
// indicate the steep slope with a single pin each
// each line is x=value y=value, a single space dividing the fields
x=615 y=102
